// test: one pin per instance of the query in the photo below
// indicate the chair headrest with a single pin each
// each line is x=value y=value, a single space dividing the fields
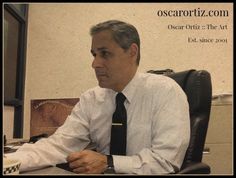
x=197 y=86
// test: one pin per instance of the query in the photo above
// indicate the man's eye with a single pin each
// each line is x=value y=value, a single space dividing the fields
x=104 y=54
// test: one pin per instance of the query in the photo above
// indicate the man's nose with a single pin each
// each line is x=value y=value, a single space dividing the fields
x=97 y=62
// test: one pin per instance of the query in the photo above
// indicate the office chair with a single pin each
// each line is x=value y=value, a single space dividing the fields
x=197 y=86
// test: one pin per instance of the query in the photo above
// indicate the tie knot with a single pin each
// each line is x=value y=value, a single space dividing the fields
x=120 y=98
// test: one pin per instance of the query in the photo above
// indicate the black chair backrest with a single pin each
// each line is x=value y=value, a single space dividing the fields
x=198 y=88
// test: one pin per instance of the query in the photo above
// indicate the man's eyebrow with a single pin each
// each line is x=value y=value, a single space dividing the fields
x=99 y=49
x=102 y=48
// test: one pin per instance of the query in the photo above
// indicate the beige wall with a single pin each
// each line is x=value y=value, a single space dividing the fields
x=59 y=62
x=8 y=121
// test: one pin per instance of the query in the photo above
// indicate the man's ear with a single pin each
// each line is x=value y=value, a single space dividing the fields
x=134 y=50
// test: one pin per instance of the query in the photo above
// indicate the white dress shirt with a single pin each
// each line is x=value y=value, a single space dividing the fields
x=158 y=128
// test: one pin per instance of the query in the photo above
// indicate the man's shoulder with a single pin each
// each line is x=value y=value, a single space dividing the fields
x=97 y=93
x=155 y=80
x=159 y=85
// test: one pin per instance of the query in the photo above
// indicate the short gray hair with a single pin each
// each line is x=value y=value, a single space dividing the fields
x=123 y=33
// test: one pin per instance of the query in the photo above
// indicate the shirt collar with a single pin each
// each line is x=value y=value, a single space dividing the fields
x=130 y=88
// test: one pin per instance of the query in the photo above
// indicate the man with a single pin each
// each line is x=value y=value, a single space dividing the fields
x=154 y=108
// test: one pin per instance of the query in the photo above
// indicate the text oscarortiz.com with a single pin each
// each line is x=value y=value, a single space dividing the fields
x=198 y=12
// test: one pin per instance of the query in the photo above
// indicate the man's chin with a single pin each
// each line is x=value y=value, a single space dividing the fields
x=102 y=85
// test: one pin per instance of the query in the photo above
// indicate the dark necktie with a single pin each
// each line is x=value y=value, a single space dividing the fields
x=119 y=127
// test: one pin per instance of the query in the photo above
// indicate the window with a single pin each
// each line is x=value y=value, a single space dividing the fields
x=15 y=27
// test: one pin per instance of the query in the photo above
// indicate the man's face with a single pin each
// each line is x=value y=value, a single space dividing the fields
x=112 y=64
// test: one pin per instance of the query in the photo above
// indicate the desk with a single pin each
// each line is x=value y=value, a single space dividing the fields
x=48 y=171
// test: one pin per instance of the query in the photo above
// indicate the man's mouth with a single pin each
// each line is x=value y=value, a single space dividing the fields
x=101 y=75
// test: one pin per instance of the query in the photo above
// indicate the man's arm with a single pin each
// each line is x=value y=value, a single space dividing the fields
x=70 y=137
